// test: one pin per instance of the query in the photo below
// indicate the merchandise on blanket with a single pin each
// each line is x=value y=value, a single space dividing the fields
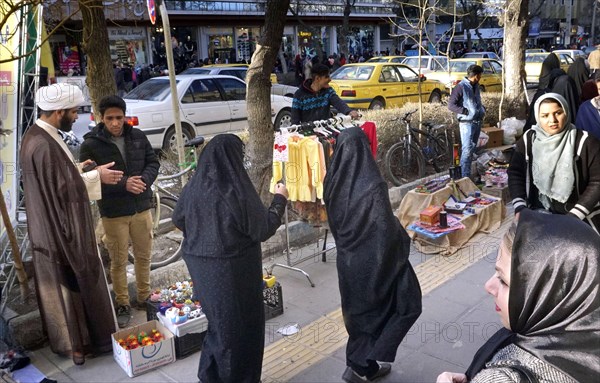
x=431 y=215
x=433 y=185
x=495 y=177
x=435 y=231
x=12 y=360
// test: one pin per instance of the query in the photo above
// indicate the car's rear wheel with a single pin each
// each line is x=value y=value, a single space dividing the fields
x=377 y=104
x=170 y=141
x=435 y=97
x=284 y=119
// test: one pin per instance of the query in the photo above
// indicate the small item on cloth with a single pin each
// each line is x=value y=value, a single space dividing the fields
x=290 y=329
x=443 y=219
x=13 y=360
x=431 y=215
x=31 y=374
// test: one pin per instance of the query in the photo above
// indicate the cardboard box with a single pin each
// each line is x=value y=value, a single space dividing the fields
x=144 y=359
x=431 y=215
x=496 y=136
x=498 y=192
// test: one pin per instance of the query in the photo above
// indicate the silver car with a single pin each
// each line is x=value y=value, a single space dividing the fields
x=208 y=105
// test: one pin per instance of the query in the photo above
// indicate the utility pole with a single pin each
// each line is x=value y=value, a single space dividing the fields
x=594 y=26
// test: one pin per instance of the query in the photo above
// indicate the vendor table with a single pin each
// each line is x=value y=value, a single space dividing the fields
x=487 y=219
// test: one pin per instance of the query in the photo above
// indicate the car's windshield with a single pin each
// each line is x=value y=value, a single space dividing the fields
x=196 y=71
x=413 y=62
x=460 y=66
x=535 y=58
x=155 y=89
x=357 y=72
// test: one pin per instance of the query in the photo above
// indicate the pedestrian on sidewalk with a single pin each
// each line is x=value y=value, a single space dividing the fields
x=124 y=207
x=71 y=288
x=381 y=296
x=223 y=222
x=556 y=167
x=546 y=292
x=465 y=101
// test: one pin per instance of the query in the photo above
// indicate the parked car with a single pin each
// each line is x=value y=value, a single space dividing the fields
x=491 y=79
x=533 y=64
x=381 y=85
x=240 y=71
x=481 y=55
x=208 y=104
x=386 y=59
x=535 y=50
x=573 y=53
x=427 y=63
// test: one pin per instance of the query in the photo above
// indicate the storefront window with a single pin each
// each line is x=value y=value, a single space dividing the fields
x=246 y=43
x=128 y=46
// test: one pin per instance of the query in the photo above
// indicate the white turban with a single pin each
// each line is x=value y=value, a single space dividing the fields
x=58 y=97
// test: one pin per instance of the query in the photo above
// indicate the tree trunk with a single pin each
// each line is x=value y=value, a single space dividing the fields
x=258 y=96
x=100 y=77
x=515 y=34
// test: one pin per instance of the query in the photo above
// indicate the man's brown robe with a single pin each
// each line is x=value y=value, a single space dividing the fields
x=71 y=287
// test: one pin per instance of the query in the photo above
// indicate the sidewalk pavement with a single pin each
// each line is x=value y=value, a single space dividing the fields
x=458 y=316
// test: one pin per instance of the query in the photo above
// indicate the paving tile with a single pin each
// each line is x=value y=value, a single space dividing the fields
x=329 y=370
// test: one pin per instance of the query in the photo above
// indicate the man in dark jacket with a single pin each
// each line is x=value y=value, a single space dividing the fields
x=465 y=101
x=124 y=207
x=313 y=100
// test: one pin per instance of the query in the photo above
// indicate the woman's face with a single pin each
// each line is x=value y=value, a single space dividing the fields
x=499 y=285
x=552 y=117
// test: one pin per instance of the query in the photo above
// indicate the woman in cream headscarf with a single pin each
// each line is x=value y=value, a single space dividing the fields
x=556 y=167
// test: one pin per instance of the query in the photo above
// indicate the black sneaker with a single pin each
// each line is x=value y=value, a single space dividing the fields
x=123 y=315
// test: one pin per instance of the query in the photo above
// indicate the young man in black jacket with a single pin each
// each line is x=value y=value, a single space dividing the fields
x=124 y=207
x=313 y=100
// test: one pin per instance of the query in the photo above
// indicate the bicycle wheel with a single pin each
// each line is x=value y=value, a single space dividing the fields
x=404 y=164
x=443 y=147
x=167 y=241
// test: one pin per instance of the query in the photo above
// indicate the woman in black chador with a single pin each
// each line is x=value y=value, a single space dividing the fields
x=224 y=222
x=381 y=296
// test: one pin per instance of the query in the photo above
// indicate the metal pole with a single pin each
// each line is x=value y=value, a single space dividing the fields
x=594 y=26
x=174 y=96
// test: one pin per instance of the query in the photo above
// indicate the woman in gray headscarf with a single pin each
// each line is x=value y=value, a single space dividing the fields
x=545 y=290
x=556 y=167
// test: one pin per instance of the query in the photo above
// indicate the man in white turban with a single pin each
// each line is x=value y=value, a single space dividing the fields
x=71 y=287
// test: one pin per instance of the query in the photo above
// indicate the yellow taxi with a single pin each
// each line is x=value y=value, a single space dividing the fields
x=491 y=78
x=377 y=85
x=533 y=64
x=386 y=59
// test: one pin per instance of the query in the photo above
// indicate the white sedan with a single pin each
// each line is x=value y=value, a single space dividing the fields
x=208 y=105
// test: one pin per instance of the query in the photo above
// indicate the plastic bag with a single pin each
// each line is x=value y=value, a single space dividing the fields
x=483 y=160
x=513 y=128
x=483 y=140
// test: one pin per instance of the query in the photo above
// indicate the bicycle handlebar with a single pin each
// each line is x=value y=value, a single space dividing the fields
x=176 y=175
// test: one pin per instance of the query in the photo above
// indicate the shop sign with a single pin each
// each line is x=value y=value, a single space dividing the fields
x=126 y=33
x=304 y=34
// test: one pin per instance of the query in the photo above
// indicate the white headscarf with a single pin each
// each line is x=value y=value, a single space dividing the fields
x=552 y=156
x=58 y=97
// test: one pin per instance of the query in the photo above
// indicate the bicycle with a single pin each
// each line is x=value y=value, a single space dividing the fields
x=405 y=161
x=167 y=239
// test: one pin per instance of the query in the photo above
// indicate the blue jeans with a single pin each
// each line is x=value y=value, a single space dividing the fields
x=469 y=135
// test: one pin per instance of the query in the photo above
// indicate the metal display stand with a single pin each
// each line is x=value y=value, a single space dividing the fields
x=322 y=126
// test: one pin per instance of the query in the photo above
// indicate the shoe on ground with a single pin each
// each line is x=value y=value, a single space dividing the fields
x=350 y=376
x=141 y=306
x=123 y=316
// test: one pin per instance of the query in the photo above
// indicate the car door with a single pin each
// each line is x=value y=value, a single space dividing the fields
x=489 y=79
x=202 y=105
x=498 y=70
x=234 y=92
x=391 y=86
x=410 y=85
